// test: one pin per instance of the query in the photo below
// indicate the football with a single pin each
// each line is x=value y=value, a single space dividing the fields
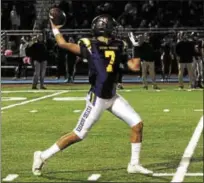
x=57 y=16
x=134 y=64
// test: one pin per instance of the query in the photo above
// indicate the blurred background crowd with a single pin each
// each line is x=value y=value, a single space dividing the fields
x=21 y=15
x=132 y=14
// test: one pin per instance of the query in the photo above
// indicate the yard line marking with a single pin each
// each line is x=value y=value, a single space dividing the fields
x=80 y=90
x=12 y=98
x=41 y=91
x=94 y=177
x=31 y=91
x=185 y=161
x=33 y=100
x=69 y=98
x=198 y=110
x=187 y=89
x=166 y=110
x=76 y=111
x=10 y=177
x=33 y=111
x=172 y=174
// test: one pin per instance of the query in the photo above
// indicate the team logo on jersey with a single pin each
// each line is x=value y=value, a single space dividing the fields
x=83 y=119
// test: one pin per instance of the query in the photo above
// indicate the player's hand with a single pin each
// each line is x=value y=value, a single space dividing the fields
x=54 y=26
x=131 y=36
x=132 y=39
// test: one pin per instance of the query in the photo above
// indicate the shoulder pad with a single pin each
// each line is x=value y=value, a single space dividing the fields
x=85 y=41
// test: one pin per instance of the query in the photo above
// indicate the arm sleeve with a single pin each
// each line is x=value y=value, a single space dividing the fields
x=85 y=47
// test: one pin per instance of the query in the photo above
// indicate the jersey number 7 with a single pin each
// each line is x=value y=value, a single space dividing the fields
x=111 y=55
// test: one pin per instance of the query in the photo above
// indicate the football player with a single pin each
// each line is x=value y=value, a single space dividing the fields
x=104 y=53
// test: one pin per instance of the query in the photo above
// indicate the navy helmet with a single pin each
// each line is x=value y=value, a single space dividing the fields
x=104 y=25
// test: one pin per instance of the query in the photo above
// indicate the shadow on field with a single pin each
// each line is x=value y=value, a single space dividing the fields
x=164 y=165
x=90 y=170
x=55 y=175
x=161 y=167
x=171 y=164
x=53 y=178
x=49 y=175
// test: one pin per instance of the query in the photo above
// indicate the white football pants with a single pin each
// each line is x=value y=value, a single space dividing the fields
x=95 y=106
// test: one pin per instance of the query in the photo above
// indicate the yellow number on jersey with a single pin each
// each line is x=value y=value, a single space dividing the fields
x=111 y=55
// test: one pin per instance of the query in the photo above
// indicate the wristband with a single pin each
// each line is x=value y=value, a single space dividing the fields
x=55 y=31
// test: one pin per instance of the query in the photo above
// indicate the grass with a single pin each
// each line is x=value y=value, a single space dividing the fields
x=106 y=150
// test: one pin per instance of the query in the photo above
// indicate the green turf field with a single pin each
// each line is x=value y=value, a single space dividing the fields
x=106 y=150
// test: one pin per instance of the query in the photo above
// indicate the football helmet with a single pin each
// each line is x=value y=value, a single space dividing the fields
x=104 y=25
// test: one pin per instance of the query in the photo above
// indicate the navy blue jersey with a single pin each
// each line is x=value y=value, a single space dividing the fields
x=104 y=58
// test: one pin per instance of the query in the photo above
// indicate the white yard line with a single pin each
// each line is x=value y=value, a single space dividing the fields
x=31 y=91
x=33 y=100
x=172 y=174
x=198 y=110
x=69 y=98
x=94 y=177
x=188 y=153
x=50 y=91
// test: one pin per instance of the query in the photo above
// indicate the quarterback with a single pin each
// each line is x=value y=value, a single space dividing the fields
x=104 y=53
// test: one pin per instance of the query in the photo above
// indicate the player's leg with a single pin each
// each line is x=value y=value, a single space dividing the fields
x=120 y=76
x=25 y=73
x=191 y=75
x=169 y=67
x=74 y=72
x=36 y=74
x=43 y=68
x=152 y=74
x=200 y=72
x=144 y=74
x=180 y=74
x=122 y=109
x=89 y=116
x=71 y=63
x=163 y=66
x=194 y=70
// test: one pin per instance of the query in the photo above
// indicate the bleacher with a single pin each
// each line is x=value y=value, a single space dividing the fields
x=42 y=7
